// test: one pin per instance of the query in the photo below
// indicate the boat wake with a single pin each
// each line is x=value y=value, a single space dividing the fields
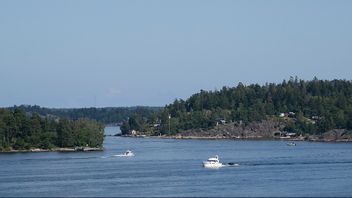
x=231 y=164
x=122 y=155
x=295 y=163
x=128 y=153
x=59 y=158
x=104 y=157
x=112 y=156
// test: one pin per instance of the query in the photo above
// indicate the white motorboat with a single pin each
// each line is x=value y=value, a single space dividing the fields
x=291 y=144
x=213 y=162
x=128 y=153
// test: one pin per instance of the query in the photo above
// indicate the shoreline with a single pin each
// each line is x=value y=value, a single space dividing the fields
x=178 y=137
x=39 y=150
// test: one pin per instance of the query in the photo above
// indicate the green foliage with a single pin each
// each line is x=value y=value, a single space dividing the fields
x=88 y=133
x=107 y=115
x=319 y=106
x=19 y=130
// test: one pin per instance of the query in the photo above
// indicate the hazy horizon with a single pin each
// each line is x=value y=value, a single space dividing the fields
x=131 y=106
x=73 y=54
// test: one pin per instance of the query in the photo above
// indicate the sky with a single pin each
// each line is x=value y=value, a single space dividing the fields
x=84 y=53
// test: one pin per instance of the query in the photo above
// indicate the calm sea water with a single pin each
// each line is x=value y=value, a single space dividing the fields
x=169 y=167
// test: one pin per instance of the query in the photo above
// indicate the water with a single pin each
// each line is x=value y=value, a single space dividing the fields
x=112 y=130
x=169 y=167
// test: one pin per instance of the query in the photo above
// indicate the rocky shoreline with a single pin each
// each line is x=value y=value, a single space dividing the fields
x=310 y=139
x=35 y=150
x=264 y=130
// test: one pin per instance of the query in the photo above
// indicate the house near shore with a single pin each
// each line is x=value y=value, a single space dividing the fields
x=287 y=114
x=220 y=121
x=133 y=132
x=284 y=134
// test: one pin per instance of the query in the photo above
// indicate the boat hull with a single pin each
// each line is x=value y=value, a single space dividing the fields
x=212 y=165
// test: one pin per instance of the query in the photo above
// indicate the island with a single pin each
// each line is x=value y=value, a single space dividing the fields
x=316 y=110
x=21 y=131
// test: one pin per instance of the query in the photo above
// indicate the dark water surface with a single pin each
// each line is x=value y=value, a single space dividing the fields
x=169 y=167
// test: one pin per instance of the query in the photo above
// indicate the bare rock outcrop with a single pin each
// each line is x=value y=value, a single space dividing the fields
x=337 y=135
x=262 y=129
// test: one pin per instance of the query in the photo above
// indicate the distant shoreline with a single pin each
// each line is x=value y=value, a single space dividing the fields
x=237 y=138
x=37 y=150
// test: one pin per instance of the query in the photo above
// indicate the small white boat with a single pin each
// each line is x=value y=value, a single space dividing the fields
x=291 y=144
x=212 y=162
x=128 y=153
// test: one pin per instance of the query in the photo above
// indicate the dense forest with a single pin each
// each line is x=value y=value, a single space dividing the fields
x=22 y=131
x=310 y=107
x=107 y=115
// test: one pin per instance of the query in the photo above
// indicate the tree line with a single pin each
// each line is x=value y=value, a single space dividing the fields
x=20 y=130
x=106 y=115
x=316 y=106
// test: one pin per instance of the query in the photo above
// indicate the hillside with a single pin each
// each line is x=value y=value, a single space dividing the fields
x=302 y=107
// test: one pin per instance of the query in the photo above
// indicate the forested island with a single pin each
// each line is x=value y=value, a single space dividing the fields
x=23 y=131
x=35 y=128
x=315 y=109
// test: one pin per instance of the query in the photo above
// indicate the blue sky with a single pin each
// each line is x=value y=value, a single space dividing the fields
x=86 y=53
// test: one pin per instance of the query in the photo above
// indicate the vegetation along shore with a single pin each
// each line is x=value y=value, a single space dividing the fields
x=316 y=110
x=21 y=131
